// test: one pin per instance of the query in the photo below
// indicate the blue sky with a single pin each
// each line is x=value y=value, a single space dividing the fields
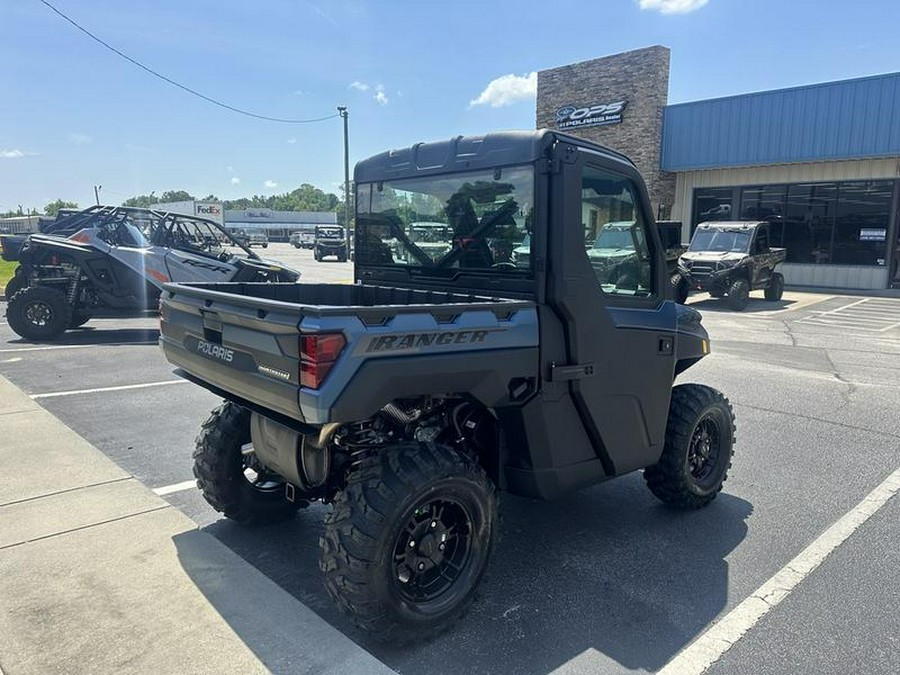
x=73 y=115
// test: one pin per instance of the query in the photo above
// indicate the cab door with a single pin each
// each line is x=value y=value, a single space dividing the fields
x=761 y=253
x=620 y=329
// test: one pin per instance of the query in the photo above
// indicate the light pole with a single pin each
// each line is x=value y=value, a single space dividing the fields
x=97 y=189
x=342 y=111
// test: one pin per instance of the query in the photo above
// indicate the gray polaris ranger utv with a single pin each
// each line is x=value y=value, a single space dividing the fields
x=446 y=376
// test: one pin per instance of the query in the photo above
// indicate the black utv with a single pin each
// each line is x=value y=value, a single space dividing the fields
x=447 y=376
x=730 y=259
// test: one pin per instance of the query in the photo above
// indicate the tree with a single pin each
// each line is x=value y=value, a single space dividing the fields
x=141 y=201
x=176 y=196
x=53 y=208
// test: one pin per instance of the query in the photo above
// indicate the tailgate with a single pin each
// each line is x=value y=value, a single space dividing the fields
x=245 y=346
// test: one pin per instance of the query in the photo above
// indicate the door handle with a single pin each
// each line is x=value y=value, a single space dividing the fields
x=565 y=373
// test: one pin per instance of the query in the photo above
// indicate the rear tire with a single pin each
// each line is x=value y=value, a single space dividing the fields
x=775 y=289
x=38 y=313
x=739 y=295
x=231 y=482
x=408 y=540
x=698 y=448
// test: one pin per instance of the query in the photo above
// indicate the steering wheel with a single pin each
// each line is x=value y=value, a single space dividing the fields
x=506 y=265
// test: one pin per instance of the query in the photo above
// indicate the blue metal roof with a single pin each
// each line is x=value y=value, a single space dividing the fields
x=850 y=119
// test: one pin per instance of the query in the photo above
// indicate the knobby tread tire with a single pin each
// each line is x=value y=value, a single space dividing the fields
x=775 y=290
x=670 y=478
x=56 y=300
x=680 y=287
x=14 y=285
x=738 y=295
x=218 y=468
x=366 y=518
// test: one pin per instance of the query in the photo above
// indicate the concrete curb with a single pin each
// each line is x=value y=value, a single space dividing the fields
x=98 y=574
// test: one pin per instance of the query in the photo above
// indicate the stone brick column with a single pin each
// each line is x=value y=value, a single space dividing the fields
x=640 y=77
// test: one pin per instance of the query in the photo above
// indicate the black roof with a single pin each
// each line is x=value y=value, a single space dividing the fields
x=469 y=153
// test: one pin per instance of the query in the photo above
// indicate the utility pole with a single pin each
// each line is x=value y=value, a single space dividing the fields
x=342 y=111
x=97 y=194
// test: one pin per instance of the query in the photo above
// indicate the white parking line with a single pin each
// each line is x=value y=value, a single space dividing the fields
x=176 y=487
x=54 y=347
x=711 y=645
x=123 y=387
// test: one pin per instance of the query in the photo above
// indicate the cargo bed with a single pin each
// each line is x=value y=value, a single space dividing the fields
x=242 y=341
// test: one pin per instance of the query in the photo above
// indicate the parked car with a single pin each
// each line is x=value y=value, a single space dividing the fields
x=302 y=239
x=258 y=239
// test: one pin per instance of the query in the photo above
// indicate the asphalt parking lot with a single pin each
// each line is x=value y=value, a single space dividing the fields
x=607 y=580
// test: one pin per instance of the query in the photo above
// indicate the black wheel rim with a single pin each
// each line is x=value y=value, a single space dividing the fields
x=39 y=313
x=703 y=452
x=433 y=550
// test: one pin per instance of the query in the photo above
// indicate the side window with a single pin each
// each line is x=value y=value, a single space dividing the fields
x=615 y=234
x=762 y=240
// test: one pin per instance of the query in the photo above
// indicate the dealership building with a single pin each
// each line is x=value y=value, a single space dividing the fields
x=821 y=163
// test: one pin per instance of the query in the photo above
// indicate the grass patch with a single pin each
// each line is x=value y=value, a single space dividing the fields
x=6 y=272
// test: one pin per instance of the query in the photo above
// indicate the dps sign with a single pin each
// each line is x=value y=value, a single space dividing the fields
x=601 y=114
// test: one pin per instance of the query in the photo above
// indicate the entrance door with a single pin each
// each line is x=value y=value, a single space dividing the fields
x=610 y=294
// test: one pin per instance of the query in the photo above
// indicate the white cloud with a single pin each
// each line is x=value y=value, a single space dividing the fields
x=229 y=169
x=292 y=140
x=672 y=6
x=235 y=180
x=79 y=139
x=270 y=184
x=11 y=154
x=361 y=86
x=507 y=90
x=380 y=95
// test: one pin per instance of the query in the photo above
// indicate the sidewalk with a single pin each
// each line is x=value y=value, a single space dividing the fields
x=99 y=575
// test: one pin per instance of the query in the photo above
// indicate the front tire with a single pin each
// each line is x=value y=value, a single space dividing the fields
x=775 y=289
x=680 y=288
x=408 y=540
x=38 y=313
x=698 y=448
x=738 y=295
x=16 y=284
x=232 y=483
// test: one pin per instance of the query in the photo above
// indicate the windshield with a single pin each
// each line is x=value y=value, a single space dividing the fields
x=721 y=240
x=615 y=237
x=471 y=221
x=330 y=233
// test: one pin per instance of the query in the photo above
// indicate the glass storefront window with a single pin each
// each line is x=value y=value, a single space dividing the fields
x=712 y=204
x=818 y=223
x=764 y=202
x=861 y=223
x=809 y=221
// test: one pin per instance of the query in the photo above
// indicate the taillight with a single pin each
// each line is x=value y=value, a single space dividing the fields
x=318 y=352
